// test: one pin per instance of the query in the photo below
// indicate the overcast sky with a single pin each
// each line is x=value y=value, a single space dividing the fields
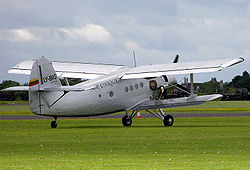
x=107 y=31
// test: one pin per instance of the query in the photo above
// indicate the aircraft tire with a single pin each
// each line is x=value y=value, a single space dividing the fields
x=53 y=124
x=168 y=120
x=126 y=120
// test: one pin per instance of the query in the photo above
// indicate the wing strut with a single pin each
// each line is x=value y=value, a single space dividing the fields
x=66 y=80
x=134 y=58
x=64 y=93
x=192 y=83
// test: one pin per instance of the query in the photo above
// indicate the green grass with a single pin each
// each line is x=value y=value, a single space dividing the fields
x=13 y=102
x=223 y=104
x=15 y=110
x=209 y=107
x=214 y=107
x=192 y=143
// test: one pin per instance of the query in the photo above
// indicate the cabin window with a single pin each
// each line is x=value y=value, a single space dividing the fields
x=131 y=88
x=111 y=94
x=100 y=95
x=126 y=89
x=136 y=86
x=141 y=84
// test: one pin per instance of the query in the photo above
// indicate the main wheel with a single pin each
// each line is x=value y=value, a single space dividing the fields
x=53 y=124
x=126 y=120
x=168 y=120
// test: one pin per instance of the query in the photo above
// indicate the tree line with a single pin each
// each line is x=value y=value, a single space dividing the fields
x=238 y=82
x=23 y=95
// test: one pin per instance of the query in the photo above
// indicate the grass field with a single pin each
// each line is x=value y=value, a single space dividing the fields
x=13 y=102
x=192 y=143
x=215 y=107
x=209 y=107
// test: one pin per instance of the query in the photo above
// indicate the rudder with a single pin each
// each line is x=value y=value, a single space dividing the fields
x=42 y=76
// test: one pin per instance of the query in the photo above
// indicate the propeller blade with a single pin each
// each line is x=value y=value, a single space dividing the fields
x=176 y=59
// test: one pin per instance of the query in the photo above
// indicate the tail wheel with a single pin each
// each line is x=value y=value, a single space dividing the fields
x=168 y=120
x=53 y=124
x=127 y=121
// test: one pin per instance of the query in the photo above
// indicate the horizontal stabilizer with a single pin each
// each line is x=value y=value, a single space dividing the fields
x=49 y=89
x=66 y=88
x=17 y=88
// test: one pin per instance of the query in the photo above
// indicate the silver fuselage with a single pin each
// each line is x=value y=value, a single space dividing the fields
x=109 y=94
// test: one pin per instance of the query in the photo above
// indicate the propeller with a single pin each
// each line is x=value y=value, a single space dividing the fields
x=176 y=59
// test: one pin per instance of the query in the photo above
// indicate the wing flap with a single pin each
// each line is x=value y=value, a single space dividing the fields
x=180 y=68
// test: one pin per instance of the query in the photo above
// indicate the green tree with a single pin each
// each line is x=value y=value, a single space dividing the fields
x=8 y=95
x=11 y=95
x=210 y=87
x=8 y=83
x=242 y=81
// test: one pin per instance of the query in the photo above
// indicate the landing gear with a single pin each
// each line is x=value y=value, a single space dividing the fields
x=127 y=119
x=168 y=120
x=53 y=124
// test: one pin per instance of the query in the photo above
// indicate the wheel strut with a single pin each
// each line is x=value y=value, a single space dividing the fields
x=127 y=119
x=168 y=120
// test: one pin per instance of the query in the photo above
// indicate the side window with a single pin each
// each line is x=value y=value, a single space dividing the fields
x=141 y=84
x=131 y=88
x=111 y=94
x=136 y=86
x=126 y=89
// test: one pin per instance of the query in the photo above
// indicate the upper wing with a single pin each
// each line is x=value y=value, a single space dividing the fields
x=91 y=71
x=70 y=69
x=180 y=68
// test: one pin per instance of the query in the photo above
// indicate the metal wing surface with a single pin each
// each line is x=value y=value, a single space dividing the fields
x=180 y=68
x=70 y=69
x=176 y=102
x=17 y=88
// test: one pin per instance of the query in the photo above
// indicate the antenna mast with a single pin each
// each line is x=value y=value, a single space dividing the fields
x=134 y=58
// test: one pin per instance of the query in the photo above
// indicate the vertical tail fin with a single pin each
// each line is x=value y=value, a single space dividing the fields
x=42 y=76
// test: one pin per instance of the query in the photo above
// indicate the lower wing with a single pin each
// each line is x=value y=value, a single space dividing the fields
x=177 y=102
